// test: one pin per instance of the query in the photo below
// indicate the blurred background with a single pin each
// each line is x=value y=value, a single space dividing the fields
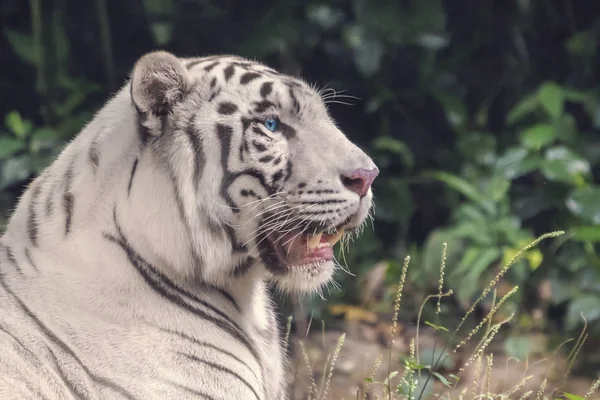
x=483 y=117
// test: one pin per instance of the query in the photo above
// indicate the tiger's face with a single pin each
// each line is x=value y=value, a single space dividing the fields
x=277 y=176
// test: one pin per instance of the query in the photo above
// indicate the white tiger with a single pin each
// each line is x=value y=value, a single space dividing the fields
x=136 y=265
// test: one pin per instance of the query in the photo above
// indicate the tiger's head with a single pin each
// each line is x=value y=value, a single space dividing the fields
x=266 y=179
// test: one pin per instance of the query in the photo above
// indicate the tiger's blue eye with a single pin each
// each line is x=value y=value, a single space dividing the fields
x=271 y=124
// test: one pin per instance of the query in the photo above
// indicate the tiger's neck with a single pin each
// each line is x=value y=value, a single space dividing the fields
x=105 y=184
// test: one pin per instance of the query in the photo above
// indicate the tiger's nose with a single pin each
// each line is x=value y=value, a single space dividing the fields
x=360 y=180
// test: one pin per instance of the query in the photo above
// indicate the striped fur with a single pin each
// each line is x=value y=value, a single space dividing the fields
x=135 y=266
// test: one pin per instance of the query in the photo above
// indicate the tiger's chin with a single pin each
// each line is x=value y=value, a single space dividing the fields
x=301 y=262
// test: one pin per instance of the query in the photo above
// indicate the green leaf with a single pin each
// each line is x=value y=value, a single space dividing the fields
x=442 y=379
x=538 y=136
x=587 y=233
x=162 y=32
x=42 y=138
x=10 y=147
x=15 y=170
x=436 y=327
x=23 y=45
x=584 y=202
x=575 y=96
x=395 y=202
x=324 y=15
x=465 y=188
x=476 y=260
x=367 y=50
x=517 y=346
x=393 y=145
x=454 y=108
x=564 y=165
x=552 y=99
x=570 y=396
x=17 y=125
x=588 y=304
x=524 y=107
x=497 y=187
x=517 y=161
x=438 y=357
x=432 y=253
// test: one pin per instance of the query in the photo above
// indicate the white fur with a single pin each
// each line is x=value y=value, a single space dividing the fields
x=82 y=321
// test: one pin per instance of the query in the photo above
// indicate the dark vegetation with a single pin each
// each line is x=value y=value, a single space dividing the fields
x=483 y=117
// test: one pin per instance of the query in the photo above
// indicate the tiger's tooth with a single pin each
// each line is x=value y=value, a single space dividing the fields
x=335 y=237
x=313 y=241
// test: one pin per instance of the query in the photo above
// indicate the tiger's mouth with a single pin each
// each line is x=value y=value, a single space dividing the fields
x=297 y=249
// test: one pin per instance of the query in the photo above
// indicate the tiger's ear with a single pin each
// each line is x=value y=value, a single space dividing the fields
x=158 y=82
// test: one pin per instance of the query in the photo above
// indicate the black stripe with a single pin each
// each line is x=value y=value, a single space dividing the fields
x=246 y=123
x=266 y=89
x=49 y=202
x=142 y=131
x=243 y=149
x=262 y=106
x=32 y=358
x=214 y=94
x=244 y=267
x=335 y=201
x=199 y=157
x=258 y=175
x=68 y=198
x=277 y=176
x=77 y=390
x=224 y=133
x=293 y=83
x=62 y=345
x=227 y=108
x=209 y=345
x=258 y=146
x=228 y=72
x=213 y=82
x=288 y=170
x=163 y=285
x=287 y=130
x=190 y=391
x=249 y=192
x=244 y=64
x=32 y=225
x=211 y=66
x=295 y=103
x=94 y=156
x=222 y=369
x=193 y=63
x=182 y=215
x=11 y=258
x=228 y=296
x=68 y=204
x=235 y=246
x=133 y=169
x=30 y=260
x=248 y=77
x=265 y=159
x=259 y=131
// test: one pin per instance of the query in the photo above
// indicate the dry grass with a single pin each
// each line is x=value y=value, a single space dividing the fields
x=478 y=367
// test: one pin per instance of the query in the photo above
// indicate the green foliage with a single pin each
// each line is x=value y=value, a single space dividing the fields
x=485 y=131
